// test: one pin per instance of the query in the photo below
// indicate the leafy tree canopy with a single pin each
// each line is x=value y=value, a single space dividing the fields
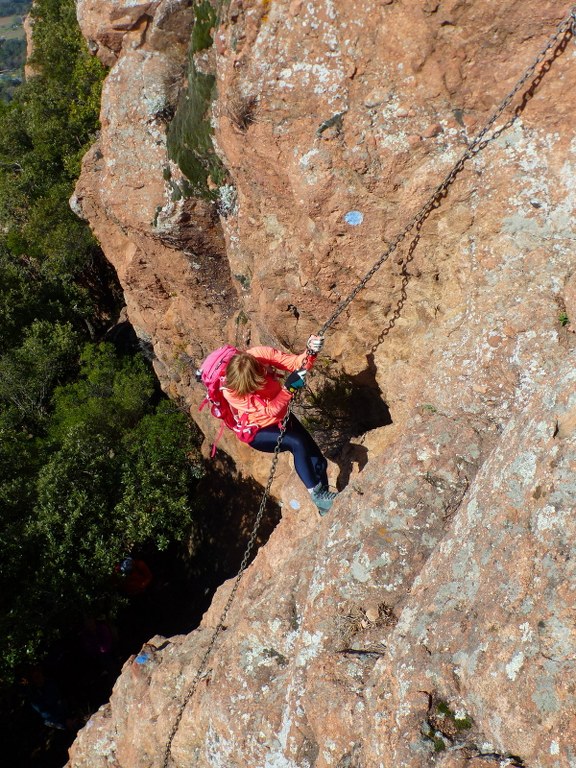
x=44 y=132
x=110 y=396
x=29 y=372
x=113 y=473
x=12 y=54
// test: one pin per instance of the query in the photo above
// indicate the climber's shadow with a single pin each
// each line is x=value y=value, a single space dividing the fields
x=227 y=505
x=342 y=408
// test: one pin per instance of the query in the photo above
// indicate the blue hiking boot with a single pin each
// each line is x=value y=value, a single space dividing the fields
x=322 y=498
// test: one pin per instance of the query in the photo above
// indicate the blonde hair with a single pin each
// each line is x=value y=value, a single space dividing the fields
x=245 y=374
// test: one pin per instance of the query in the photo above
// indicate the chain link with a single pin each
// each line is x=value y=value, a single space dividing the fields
x=565 y=31
x=403 y=294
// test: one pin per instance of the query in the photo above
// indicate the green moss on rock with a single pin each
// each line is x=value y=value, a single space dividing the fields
x=189 y=137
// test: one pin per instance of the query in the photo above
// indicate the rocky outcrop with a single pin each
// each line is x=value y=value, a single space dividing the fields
x=430 y=618
x=28 y=25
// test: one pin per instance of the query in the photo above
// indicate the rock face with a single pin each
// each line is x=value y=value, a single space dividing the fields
x=28 y=25
x=429 y=618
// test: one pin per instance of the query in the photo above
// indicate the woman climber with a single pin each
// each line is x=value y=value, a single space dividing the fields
x=254 y=392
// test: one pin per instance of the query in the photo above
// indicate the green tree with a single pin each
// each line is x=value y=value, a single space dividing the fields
x=12 y=53
x=150 y=456
x=28 y=373
x=69 y=86
x=114 y=474
x=44 y=132
x=27 y=293
x=19 y=298
x=8 y=85
x=81 y=539
x=161 y=463
x=20 y=601
x=19 y=461
x=110 y=396
x=55 y=238
x=62 y=553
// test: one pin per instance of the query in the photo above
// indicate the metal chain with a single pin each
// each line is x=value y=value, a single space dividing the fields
x=565 y=30
x=403 y=294
x=243 y=565
x=564 y=33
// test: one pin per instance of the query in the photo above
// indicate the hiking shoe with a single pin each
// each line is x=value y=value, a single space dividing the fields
x=323 y=498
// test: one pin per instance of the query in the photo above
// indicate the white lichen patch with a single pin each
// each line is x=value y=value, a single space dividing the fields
x=315 y=63
x=277 y=759
x=105 y=747
x=227 y=200
x=524 y=467
x=275 y=625
x=527 y=632
x=310 y=647
x=514 y=665
x=549 y=518
x=560 y=641
x=466 y=663
x=219 y=750
x=257 y=655
x=362 y=567
x=554 y=748
x=305 y=159
x=317 y=75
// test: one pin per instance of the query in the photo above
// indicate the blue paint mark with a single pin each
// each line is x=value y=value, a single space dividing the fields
x=354 y=218
x=142 y=658
x=294 y=504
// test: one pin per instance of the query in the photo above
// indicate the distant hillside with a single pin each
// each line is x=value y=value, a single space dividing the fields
x=12 y=45
x=14 y=7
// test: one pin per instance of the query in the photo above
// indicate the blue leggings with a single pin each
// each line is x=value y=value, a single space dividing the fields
x=308 y=460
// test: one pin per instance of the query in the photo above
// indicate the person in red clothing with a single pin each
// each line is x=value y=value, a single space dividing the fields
x=137 y=576
x=254 y=391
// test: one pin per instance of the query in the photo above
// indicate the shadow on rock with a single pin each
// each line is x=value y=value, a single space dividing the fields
x=341 y=408
x=230 y=503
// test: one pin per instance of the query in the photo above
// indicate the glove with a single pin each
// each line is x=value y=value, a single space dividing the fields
x=314 y=344
x=296 y=380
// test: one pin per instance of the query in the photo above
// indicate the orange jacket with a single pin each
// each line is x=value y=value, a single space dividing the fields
x=269 y=404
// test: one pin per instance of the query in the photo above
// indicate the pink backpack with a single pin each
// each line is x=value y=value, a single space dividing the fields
x=212 y=374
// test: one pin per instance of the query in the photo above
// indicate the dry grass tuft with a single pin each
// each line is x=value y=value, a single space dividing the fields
x=243 y=111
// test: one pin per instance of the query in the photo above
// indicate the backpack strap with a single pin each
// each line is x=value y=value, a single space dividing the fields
x=215 y=443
